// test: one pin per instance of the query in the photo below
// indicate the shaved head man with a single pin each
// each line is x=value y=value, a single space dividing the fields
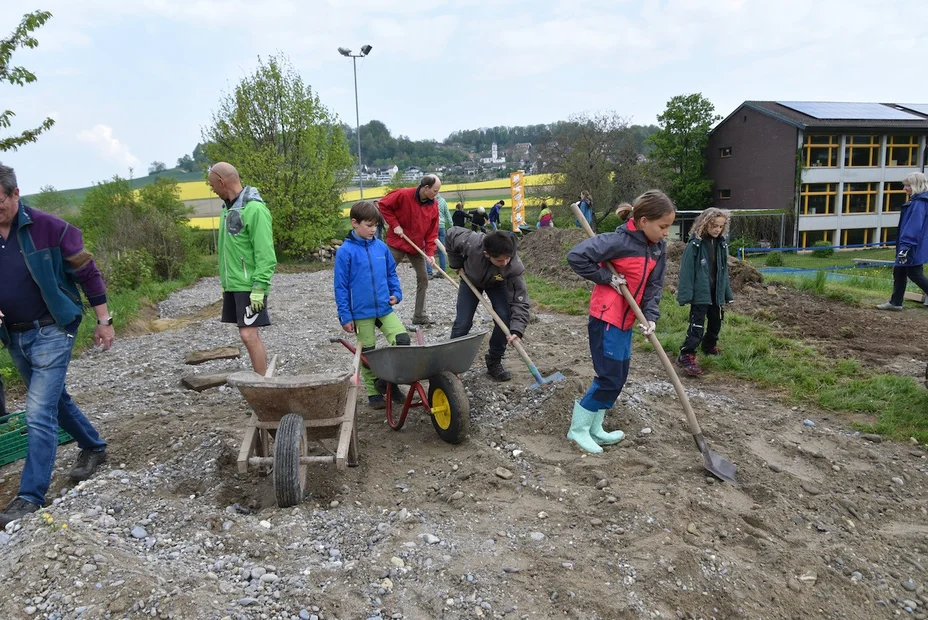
x=246 y=258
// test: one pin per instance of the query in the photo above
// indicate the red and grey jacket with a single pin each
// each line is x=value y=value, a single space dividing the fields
x=419 y=220
x=57 y=260
x=640 y=261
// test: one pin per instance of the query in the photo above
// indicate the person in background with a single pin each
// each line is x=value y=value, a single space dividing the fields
x=494 y=214
x=444 y=223
x=460 y=217
x=2 y=395
x=586 y=208
x=478 y=220
x=911 y=242
x=545 y=218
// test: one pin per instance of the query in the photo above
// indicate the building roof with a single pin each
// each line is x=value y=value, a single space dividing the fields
x=838 y=115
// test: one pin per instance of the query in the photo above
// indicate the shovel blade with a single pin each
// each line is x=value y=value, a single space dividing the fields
x=719 y=467
x=549 y=379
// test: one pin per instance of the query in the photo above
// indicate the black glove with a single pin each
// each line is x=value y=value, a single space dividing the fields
x=902 y=257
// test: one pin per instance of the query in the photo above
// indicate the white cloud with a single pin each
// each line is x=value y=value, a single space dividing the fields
x=101 y=139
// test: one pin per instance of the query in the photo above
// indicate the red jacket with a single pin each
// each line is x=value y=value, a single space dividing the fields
x=641 y=262
x=401 y=207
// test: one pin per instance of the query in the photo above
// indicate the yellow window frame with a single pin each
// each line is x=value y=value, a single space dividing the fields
x=834 y=142
x=894 y=143
x=889 y=193
x=873 y=146
x=830 y=193
x=846 y=231
x=871 y=193
x=825 y=236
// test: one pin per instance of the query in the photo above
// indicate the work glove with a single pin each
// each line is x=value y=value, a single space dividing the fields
x=902 y=257
x=257 y=300
x=617 y=281
x=648 y=329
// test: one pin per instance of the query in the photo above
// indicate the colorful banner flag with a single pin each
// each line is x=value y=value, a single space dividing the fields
x=517 y=190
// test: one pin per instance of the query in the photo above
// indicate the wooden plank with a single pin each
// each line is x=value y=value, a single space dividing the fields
x=271 y=368
x=198 y=383
x=343 y=453
x=248 y=446
x=872 y=261
x=222 y=353
x=919 y=297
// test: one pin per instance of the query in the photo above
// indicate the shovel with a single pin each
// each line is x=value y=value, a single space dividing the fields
x=716 y=465
x=539 y=380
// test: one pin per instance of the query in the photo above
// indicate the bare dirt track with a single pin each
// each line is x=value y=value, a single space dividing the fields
x=515 y=522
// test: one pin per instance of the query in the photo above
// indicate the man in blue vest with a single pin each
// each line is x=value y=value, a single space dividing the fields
x=42 y=262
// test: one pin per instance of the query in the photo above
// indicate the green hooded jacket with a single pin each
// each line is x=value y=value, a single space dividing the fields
x=694 y=287
x=246 y=244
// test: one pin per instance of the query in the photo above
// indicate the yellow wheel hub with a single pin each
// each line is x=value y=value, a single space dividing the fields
x=441 y=409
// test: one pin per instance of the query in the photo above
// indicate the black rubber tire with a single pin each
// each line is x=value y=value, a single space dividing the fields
x=289 y=446
x=450 y=389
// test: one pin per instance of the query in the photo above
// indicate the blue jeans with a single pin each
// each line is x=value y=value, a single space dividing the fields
x=467 y=306
x=611 y=350
x=439 y=253
x=42 y=355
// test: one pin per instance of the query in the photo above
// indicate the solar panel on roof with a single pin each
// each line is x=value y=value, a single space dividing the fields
x=918 y=107
x=849 y=111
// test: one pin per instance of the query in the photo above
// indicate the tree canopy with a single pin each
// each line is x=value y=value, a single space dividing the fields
x=20 y=76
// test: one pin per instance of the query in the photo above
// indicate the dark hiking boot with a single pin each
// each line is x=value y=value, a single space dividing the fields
x=87 y=463
x=712 y=350
x=687 y=361
x=422 y=320
x=17 y=509
x=495 y=369
x=396 y=394
x=376 y=402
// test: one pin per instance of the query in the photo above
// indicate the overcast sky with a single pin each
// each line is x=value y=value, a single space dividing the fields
x=131 y=81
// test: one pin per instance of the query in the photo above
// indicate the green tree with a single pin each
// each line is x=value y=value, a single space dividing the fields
x=20 y=76
x=50 y=200
x=679 y=149
x=274 y=129
x=186 y=163
x=157 y=167
x=398 y=182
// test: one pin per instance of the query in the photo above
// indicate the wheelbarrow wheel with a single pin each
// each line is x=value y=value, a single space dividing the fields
x=289 y=474
x=450 y=407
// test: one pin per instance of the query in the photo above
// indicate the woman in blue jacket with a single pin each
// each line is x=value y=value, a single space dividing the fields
x=911 y=241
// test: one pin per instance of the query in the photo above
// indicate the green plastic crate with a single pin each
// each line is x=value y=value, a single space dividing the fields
x=13 y=437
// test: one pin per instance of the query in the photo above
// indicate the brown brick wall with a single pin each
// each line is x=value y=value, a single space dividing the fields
x=761 y=172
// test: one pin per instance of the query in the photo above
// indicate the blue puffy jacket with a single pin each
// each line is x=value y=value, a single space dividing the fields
x=365 y=278
x=913 y=231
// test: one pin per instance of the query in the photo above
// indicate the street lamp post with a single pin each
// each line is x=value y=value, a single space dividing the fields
x=365 y=50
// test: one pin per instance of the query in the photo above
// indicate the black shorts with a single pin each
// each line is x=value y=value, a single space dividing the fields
x=236 y=308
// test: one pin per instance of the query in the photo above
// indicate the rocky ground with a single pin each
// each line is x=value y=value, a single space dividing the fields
x=515 y=522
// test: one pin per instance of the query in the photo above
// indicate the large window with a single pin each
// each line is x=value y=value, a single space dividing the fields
x=818 y=198
x=902 y=151
x=893 y=197
x=857 y=236
x=890 y=234
x=860 y=197
x=809 y=237
x=862 y=152
x=821 y=151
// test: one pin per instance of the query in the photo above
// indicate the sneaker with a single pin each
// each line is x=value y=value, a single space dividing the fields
x=17 y=509
x=889 y=306
x=495 y=369
x=87 y=463
x=712 y=350
x=376 y=402
x=687 y=361
x=422 y=320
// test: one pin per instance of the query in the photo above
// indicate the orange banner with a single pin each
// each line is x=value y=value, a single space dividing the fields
x=517 y=190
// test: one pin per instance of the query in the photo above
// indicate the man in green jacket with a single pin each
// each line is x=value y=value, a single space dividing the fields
x=246 y=259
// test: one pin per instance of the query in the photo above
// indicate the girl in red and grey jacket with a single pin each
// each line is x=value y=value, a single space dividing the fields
x=637 y=250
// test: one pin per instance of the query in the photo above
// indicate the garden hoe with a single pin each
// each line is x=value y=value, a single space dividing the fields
x=716 y=465
x=539 y=380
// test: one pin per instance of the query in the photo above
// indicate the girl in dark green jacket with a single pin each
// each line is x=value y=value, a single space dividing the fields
x=704 y=285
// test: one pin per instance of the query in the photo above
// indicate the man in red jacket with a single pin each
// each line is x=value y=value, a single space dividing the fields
x=413 y=212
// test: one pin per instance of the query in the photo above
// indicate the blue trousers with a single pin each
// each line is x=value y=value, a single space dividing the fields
x=467 y=306
x=439 y=253
x=611 y=349
x=42 y=356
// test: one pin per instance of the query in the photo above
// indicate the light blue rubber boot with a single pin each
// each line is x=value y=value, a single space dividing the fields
x=579 y=431
x=601 y=436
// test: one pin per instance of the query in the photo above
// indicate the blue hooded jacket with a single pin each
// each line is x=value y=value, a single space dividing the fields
x=913 y=231
x=365 y=278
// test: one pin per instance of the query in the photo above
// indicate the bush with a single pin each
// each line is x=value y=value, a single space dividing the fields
x=129 y=270
x=823 y=249
x=774 y=259
x=741 y=242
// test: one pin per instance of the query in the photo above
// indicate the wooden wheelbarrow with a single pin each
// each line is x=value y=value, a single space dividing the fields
x=288 y=412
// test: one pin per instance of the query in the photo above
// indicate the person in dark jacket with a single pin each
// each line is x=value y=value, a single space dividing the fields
x=478 y=220
x=43 y=262
x=494 y=214
x=460 y=217
x=490 y=262
x=367 y=288
x=911 y=241
x=704 y=285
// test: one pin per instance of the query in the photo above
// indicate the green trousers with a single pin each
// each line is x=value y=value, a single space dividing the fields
x=390 y=327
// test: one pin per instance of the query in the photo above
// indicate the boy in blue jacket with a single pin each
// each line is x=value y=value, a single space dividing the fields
x=367 y=288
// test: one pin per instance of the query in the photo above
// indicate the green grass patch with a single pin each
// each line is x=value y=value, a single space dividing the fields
x=805 y=260
x=575 y=301
x=754 y=352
